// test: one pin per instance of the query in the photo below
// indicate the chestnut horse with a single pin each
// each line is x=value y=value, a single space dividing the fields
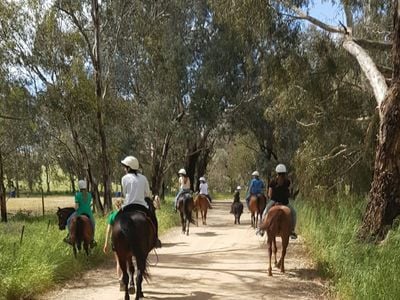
x=277 y=223
x=185 y=206
x=257 y=205
x=81 y=230
x=133 y=235
x=201 y=204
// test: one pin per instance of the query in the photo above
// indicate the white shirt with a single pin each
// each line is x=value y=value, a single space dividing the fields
x=183 y=185
x=204 y=188
x=135 y=188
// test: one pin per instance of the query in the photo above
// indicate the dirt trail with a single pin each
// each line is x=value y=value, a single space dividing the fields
x=217 y=261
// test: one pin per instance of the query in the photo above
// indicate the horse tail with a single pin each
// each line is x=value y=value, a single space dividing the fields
x=129 y=229
x=188 y=211
x=79 y=232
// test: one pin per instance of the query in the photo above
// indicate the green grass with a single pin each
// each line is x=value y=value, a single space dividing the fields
x=42 y=259
x=357 y=270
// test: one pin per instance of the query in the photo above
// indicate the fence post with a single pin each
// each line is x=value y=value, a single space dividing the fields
x=22 y=234
x=42 y=201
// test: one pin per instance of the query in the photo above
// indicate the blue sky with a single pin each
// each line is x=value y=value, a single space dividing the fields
x=327 y=12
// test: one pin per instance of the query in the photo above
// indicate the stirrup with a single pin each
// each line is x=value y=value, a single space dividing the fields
x=93 y=244
x=67 y=240
x=293 y=235
x=157 y=244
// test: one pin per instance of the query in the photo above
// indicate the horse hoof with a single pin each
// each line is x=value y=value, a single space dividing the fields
x=269 y=273
x=131 y=290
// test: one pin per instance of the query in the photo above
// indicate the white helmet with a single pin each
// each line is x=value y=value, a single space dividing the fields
x=182 y=171
x=82 y=184
x=255 y=173
x=202 y=179
x=131 y=162
x=238 y=187
x=281 y=168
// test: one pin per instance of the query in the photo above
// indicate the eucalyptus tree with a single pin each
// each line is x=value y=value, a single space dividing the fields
x=370 y=48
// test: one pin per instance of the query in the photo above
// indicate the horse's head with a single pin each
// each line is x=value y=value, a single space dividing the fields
x=63 y=214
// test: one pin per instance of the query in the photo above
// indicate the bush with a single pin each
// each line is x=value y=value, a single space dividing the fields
x=43 y=259
x=357 y=270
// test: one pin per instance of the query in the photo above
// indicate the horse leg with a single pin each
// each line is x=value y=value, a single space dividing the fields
x=125 y=276
x=269 y=243
x=203 y=216
x=197 y=217
x=182 y=222
x=74 y=250
x=285 y=242
x=139 y=280
x=275 y=251
x=187 y=226
x=131 y=288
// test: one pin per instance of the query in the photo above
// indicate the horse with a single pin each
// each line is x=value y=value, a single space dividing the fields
x=133 y=235
x=257 y=205
x=237 y=210
x=201 y=204
x=81 y=229
x=185 y=206
x=277 y=223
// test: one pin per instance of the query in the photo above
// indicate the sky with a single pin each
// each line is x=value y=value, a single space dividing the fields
x=327 y=12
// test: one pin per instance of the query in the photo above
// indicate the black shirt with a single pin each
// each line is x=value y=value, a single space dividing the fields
x=280 y=193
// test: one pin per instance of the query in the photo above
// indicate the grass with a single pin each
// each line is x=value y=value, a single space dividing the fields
x=42 y=260
x=357 y=270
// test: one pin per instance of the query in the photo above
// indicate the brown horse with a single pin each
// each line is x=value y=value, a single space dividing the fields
x=237 y=210
x=201 y=204
x=257 y=205
x=277 y=223
x=81 y=230
x=133 y=235
x=185 y=206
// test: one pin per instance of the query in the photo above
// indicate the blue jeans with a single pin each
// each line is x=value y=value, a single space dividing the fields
x=292 y=211
x=73 y=215
x=180 y=192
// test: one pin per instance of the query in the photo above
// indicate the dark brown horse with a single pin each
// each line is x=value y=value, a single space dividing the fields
x=201 y=204
x=185 y=206
x=277 y=223
x=81 y=230
x=133 y=235
x=237 y=210
x=257 y=205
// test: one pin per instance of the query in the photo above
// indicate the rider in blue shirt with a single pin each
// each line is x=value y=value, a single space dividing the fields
x=256 y=186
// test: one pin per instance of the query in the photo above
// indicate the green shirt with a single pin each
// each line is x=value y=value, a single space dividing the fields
x=84 y=205
x=111 y=217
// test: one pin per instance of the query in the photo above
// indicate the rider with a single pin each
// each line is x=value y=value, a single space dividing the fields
x=184 y=185
x=236 y=197
x=83 y=201
x=110 y=224
x=135 y=189
x=203 y=189
x=278 y=192
x=256 y=187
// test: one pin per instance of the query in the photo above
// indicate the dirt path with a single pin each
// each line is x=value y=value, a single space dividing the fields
x=217 y=261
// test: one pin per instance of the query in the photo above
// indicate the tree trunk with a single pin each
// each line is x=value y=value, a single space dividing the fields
x=100 y=94
x=384 y=198
x=47 y=178
x=3 y=203
x=82 y=153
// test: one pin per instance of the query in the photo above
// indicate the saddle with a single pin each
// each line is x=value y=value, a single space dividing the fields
x=139 y=209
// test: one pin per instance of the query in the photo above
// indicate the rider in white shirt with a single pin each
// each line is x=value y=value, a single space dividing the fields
x=203 y=188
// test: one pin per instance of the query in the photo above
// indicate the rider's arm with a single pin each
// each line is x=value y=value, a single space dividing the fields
x=269 y=192
x=108 y=233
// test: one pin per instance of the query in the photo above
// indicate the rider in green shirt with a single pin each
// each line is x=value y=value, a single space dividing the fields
x=83 y=202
